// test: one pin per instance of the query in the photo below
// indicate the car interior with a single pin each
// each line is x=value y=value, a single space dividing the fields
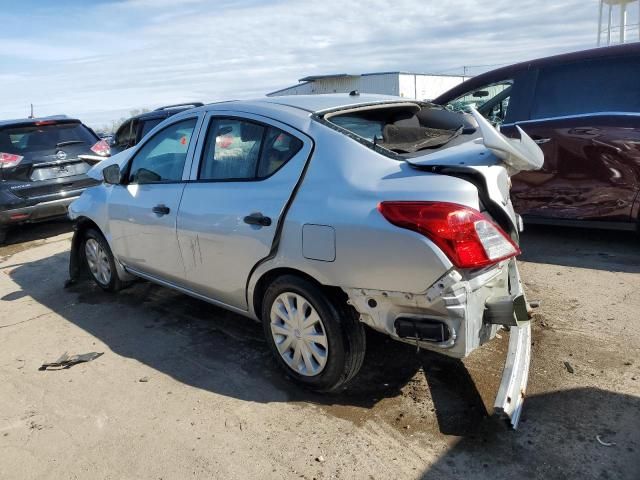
x=405 y=128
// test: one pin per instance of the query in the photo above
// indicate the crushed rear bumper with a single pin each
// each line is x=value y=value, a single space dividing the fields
x=456 y=315
x=515 y=375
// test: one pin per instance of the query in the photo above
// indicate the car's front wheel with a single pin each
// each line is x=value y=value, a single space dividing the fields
x=316 y=339
x=100 y=261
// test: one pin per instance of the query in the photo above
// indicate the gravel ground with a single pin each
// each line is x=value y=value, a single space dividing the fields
x=186 y=390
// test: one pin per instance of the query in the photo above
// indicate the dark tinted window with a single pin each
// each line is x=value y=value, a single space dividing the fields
x=243 y=150
x=609 y=85
x=32 y=138
x=148 y=125
x=125 y=136
x=162 y=157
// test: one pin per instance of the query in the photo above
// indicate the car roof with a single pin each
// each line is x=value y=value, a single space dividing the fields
x=166 y=111
x=305 y=104
x=564 y=58
x=31 y=121
x=331 y=101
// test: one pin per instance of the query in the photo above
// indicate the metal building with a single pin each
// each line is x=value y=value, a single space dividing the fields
x=403 y=84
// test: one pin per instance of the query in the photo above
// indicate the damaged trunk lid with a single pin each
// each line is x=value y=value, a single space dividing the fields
x=487 y=161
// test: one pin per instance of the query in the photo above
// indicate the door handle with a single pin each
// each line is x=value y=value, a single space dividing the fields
x=257 y=219
x=161 y=210
x=542 y=141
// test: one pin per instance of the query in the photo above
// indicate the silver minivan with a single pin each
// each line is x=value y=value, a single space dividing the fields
x=320 y=216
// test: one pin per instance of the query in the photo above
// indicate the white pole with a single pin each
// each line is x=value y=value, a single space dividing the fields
x=609 y=26
x=600 y=22
x=623 y=21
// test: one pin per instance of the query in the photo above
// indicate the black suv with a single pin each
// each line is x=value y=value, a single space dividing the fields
x=43 y=165
x=132 y=131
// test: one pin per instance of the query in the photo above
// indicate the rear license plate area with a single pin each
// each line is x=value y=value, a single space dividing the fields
x=59 y=171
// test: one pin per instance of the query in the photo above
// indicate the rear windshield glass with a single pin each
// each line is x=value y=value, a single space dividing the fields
x=401 y=129
x=31 y=138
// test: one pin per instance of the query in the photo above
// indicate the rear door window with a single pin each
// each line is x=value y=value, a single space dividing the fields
x=125 y=136
x=237 y=149
x=602 y=85
x=148 y=125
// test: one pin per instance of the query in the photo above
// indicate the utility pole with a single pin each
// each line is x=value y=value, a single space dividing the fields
x=31 y=116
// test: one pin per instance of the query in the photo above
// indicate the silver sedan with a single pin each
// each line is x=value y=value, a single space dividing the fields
x=320 y=216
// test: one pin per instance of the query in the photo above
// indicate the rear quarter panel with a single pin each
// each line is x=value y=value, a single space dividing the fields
x=344 y=183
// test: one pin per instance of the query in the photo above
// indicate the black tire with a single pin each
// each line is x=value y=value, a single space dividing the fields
x=345 y=334
x=114 y=284
x=3 y=235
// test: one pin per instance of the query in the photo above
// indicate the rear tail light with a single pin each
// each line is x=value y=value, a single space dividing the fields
x=101 y=148
x=8 y=160
x=467 y=237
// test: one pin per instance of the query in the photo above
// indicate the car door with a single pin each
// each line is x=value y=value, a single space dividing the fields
x=246 y=170
x=584 y=117
x=143 y=209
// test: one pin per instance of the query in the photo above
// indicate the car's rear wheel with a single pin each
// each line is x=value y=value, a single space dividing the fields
x=100 y=261
x=316 y=339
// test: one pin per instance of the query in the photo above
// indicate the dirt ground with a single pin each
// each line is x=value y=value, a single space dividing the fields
x=187 y=390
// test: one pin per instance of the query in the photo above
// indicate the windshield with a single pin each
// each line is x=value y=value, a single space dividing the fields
x=31 y=138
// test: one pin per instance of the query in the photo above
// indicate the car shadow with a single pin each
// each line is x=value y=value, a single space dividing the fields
x=617 y=251
x=21 y=237
x=585 y=433
x=200 y=344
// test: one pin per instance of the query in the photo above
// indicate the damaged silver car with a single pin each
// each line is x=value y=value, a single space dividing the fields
x=318 y=216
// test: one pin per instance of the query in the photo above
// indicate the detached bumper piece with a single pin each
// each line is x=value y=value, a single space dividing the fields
x=513 y=386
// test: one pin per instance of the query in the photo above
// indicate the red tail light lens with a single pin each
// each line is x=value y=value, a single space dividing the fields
x=101 y=148
x=467 y=237
x=8 y=160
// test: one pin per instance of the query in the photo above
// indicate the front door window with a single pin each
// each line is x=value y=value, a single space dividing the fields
x=162 y=158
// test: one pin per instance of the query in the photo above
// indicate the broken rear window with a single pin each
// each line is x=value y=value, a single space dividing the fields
x=400 y=128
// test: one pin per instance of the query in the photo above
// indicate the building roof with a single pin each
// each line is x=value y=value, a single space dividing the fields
x=313 y=78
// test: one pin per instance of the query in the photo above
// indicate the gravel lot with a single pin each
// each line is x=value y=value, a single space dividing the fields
x=186 y=390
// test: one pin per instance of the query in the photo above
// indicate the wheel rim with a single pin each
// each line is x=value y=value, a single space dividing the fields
x=299 y=334
x=98 y=261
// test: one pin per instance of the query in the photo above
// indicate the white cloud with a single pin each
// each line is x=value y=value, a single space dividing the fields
x=126 y=55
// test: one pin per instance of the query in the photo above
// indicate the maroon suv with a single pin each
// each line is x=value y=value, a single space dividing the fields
x=583 y=109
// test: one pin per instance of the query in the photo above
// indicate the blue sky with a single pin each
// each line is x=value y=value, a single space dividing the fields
x=98 y=60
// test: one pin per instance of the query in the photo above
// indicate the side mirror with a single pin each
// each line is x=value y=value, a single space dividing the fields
x=111 y=174
x=480 y=94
